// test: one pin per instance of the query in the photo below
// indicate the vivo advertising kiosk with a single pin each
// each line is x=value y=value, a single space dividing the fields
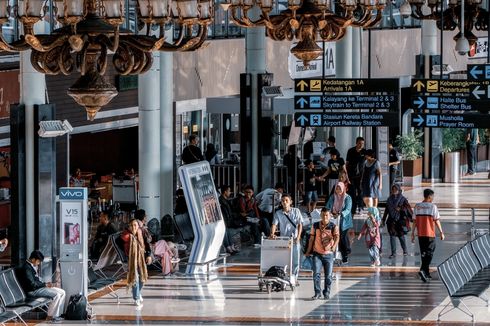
x=73 y=240
x=205 y=213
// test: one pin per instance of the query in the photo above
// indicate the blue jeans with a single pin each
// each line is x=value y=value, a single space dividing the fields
x=325 y=261
x=137 y=287
x=296 y=259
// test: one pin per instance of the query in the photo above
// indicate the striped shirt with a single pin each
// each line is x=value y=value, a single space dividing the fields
x=425 y=216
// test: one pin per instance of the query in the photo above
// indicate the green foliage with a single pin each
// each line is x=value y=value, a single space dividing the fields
x=484 y=136
x=453 y=139
x=410 y=145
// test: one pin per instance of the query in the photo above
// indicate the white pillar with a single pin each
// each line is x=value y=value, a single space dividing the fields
x=167 y=132
x=149 y=140
x=32 y=91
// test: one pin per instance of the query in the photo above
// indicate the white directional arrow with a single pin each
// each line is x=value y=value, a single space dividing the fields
x=419 y=120
x=475 y=72
x=302 y=120
x=477 y=92
x=302 y=102
x=419 y=101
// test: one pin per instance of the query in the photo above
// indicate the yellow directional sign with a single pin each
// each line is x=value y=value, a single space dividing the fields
x=445 y=86
x=301 y=85
x=315 y=85
x=432 y=86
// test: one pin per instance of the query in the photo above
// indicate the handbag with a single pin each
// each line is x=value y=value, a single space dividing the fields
x=405 y=218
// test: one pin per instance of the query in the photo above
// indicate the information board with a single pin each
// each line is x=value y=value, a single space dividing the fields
x=329 y=102
x=465 y=120
x=450 y=103
x=312 y=85
x=341 y=119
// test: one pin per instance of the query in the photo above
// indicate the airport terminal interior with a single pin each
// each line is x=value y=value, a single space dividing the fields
x=244 y=162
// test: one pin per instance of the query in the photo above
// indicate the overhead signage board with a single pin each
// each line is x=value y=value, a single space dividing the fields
x=452 y=103
x=478 y=72
x=329 y=102
x=464 y=120
x=297 y=68
x=443 y=86
x=341 y=119
x=480 y=92
x=319 y=85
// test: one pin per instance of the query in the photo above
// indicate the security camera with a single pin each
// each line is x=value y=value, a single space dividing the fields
x=462 y=46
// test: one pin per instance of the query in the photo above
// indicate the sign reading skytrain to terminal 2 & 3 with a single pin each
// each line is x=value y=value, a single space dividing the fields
x=465 y=120
x=444 y=86
x=340 y=119
x=313 y=85
x=329 y=102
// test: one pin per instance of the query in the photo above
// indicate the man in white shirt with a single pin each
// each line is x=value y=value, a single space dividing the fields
x=290 y=221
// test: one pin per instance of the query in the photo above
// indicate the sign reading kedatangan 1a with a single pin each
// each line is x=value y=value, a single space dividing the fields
x=313 y=85
x=336 y=119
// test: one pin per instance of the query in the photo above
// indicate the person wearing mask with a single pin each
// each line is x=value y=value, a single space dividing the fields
x=472 y=140
x=371 y=232
x=395 y=218
x=393 y=162
x=104 y=230
x=134 y=248
x=354 y=163
x=371 y=180
x=290 y=221
x=324 y=238
x=340 y=206
x=427 y=218
x=211 y=154
x=31 y=283
x=192 y=153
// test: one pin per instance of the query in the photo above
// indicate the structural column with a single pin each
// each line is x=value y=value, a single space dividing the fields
x=149 y=140
x=167 y=131
x=255 y=64
x=32 y=91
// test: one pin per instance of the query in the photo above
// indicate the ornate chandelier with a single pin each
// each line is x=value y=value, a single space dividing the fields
x=307 y=21
x=472 y=16
x=87 y=31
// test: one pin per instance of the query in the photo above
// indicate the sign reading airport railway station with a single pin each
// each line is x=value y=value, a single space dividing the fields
x=450 y=120
x=445 y=86
x=341 y=119
x=328 y=102
x=313 y=85
x=450 y=103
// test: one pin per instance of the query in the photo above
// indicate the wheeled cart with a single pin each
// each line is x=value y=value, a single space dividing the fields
x=276 y=252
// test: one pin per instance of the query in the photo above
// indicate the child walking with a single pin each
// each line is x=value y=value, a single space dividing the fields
x=370 y=229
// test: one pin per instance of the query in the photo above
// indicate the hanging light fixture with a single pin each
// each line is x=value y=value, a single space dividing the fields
x=87 y=31
x=467 y=16
x=307 y=21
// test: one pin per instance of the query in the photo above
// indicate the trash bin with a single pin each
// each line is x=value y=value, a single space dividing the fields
x=451 y=167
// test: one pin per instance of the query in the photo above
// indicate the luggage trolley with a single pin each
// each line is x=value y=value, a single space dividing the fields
x=276 y=252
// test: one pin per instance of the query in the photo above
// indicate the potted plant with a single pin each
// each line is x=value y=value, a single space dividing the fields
x=453 y=141
x=411 y=148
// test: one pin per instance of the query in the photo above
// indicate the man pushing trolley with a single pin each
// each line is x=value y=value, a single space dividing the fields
x=290 y=223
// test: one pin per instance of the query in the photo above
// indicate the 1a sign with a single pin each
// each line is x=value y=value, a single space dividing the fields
x=478 y=72
x=314 y=85
x=341 y=119
x=330 y=102
x=453 y=103
x=464 y=120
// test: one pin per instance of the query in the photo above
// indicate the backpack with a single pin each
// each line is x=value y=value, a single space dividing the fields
x=77 y=308
x=276 y=271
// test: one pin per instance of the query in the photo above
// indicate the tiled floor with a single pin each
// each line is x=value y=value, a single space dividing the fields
x=389 y=295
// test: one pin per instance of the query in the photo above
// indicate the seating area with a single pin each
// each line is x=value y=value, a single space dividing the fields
x=14 y=300
x=466 y=274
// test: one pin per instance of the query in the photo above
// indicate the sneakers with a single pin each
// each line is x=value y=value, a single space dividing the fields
x=377 y=263
x=423 y=277
x=138 y=302
x=141 y=299
x=392 y=256
x=405 y=253
x=256 y=245
x=326 y=295
x=316 y=297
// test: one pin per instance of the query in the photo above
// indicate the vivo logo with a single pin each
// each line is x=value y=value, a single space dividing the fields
x=75 y=193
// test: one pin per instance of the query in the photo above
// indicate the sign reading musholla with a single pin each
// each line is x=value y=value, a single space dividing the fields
x=9 y=91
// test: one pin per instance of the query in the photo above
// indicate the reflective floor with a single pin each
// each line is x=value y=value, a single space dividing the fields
x=388 y=295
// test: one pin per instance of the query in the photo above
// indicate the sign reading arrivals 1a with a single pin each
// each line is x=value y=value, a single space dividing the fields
x=313 y=85
x=328 y=102
x=465 y=120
